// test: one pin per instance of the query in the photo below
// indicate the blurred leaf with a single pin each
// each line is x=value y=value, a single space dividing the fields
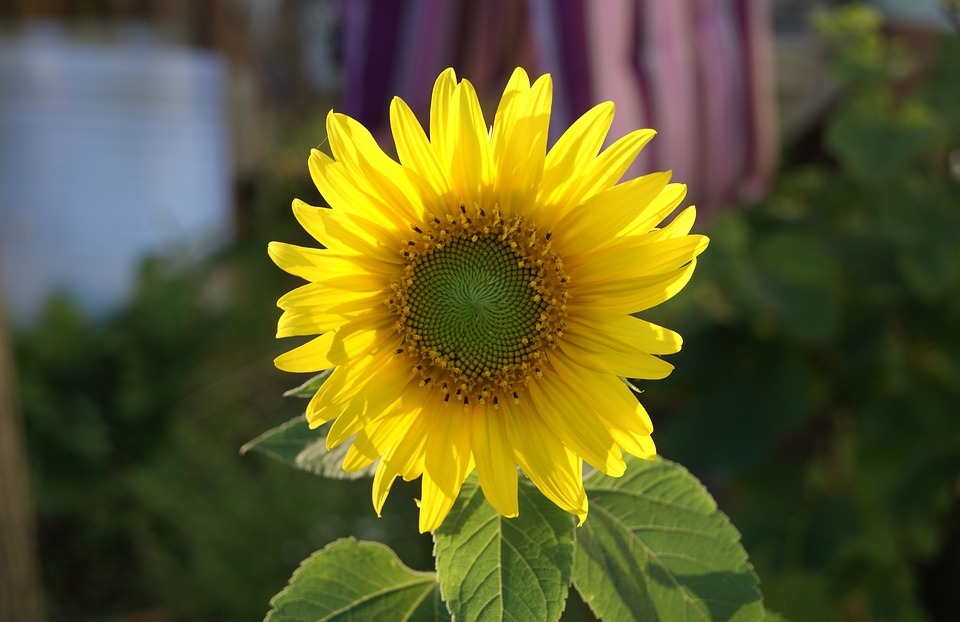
x=496 y=568
x=773 y=616
x=800 y=259
x=875 y=141
x=655 y=547
x=358 y=581
x=296 y=445
x=943 y=90
x=929 y=272
x=310 y=387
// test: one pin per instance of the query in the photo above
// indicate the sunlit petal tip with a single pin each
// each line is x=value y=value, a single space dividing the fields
x=702 y=241
x=272 y=250
x=641 y=412
x=546 y=80
x=300 y=204
x=665 y=369
x=644 y=137
x=382 y=482
x=302 y=209
x=435 y=505
x=519 y=76
x=650 y=449
x=614 y=468
x=447 y=77
x=314 y=422
x=330 y=121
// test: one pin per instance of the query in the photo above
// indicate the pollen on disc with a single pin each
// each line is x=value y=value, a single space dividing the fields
x=480 y=301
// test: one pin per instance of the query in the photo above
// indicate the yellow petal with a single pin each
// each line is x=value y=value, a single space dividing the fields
x=601 y=217
x=446 y=464
x=370 y=168
x=353 y=272
x=496 y=466
x=471 y=167
x=408 y=454
x=595 y=354
x=508 y=111
x=634 y=294
x=399 y=436
x=335 y=382
x=337 y=231
x=435 y=503
x=441 y=124
x=611 y=399
x=607 y=169
x=331 y=348
x=360 y=454
x=639 y=445
x=386 y=384
x=556 y=470
x=574 y=421
x=346 y=194
x=296 y=324
x=657 y=210
x=631 y=260
x=678 y=227
x=344 y=383
x=382 y=481
x=616 y=406
x=313 y=296
x=417 y=156
x=623 y=332
x=519 y=141
x=560 y=187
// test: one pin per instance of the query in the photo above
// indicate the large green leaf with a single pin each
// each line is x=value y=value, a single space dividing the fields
x=655 y=547
x=350 y=580
x=496 y=568
x=295 y=444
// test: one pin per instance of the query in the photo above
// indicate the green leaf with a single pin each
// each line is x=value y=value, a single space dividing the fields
x=496 y=568
x=773 y=616
x=350 y=580
x=799 y=259
x=296 y=445
x=309 y=388
x=655 y=547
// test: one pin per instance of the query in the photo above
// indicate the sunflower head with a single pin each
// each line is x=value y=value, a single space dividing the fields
x=477 y=298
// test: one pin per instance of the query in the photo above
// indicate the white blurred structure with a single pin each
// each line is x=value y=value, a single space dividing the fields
x=107 y=152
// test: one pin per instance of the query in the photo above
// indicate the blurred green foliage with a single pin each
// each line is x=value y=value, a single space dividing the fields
x=816 y=394
x=818 y=390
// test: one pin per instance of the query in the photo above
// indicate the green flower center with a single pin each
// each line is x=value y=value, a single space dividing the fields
x=474 y=303
x=480 y=302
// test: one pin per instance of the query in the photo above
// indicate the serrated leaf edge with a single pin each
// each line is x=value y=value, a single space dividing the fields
x=347 y=540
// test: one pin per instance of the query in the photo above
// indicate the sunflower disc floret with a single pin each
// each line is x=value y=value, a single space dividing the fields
x=476 y=299
x=480 y=300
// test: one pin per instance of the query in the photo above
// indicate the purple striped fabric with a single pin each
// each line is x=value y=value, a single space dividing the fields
x=699 y=71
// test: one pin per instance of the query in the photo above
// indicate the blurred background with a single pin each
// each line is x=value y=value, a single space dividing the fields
x=149 y=151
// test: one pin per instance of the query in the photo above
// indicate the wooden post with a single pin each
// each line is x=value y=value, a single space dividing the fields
x=20 y=592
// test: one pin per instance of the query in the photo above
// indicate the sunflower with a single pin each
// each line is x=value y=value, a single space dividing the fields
x=475 y=298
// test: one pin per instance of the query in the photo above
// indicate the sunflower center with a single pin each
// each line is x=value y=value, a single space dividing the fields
x=473 y=303
x=480 y=301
